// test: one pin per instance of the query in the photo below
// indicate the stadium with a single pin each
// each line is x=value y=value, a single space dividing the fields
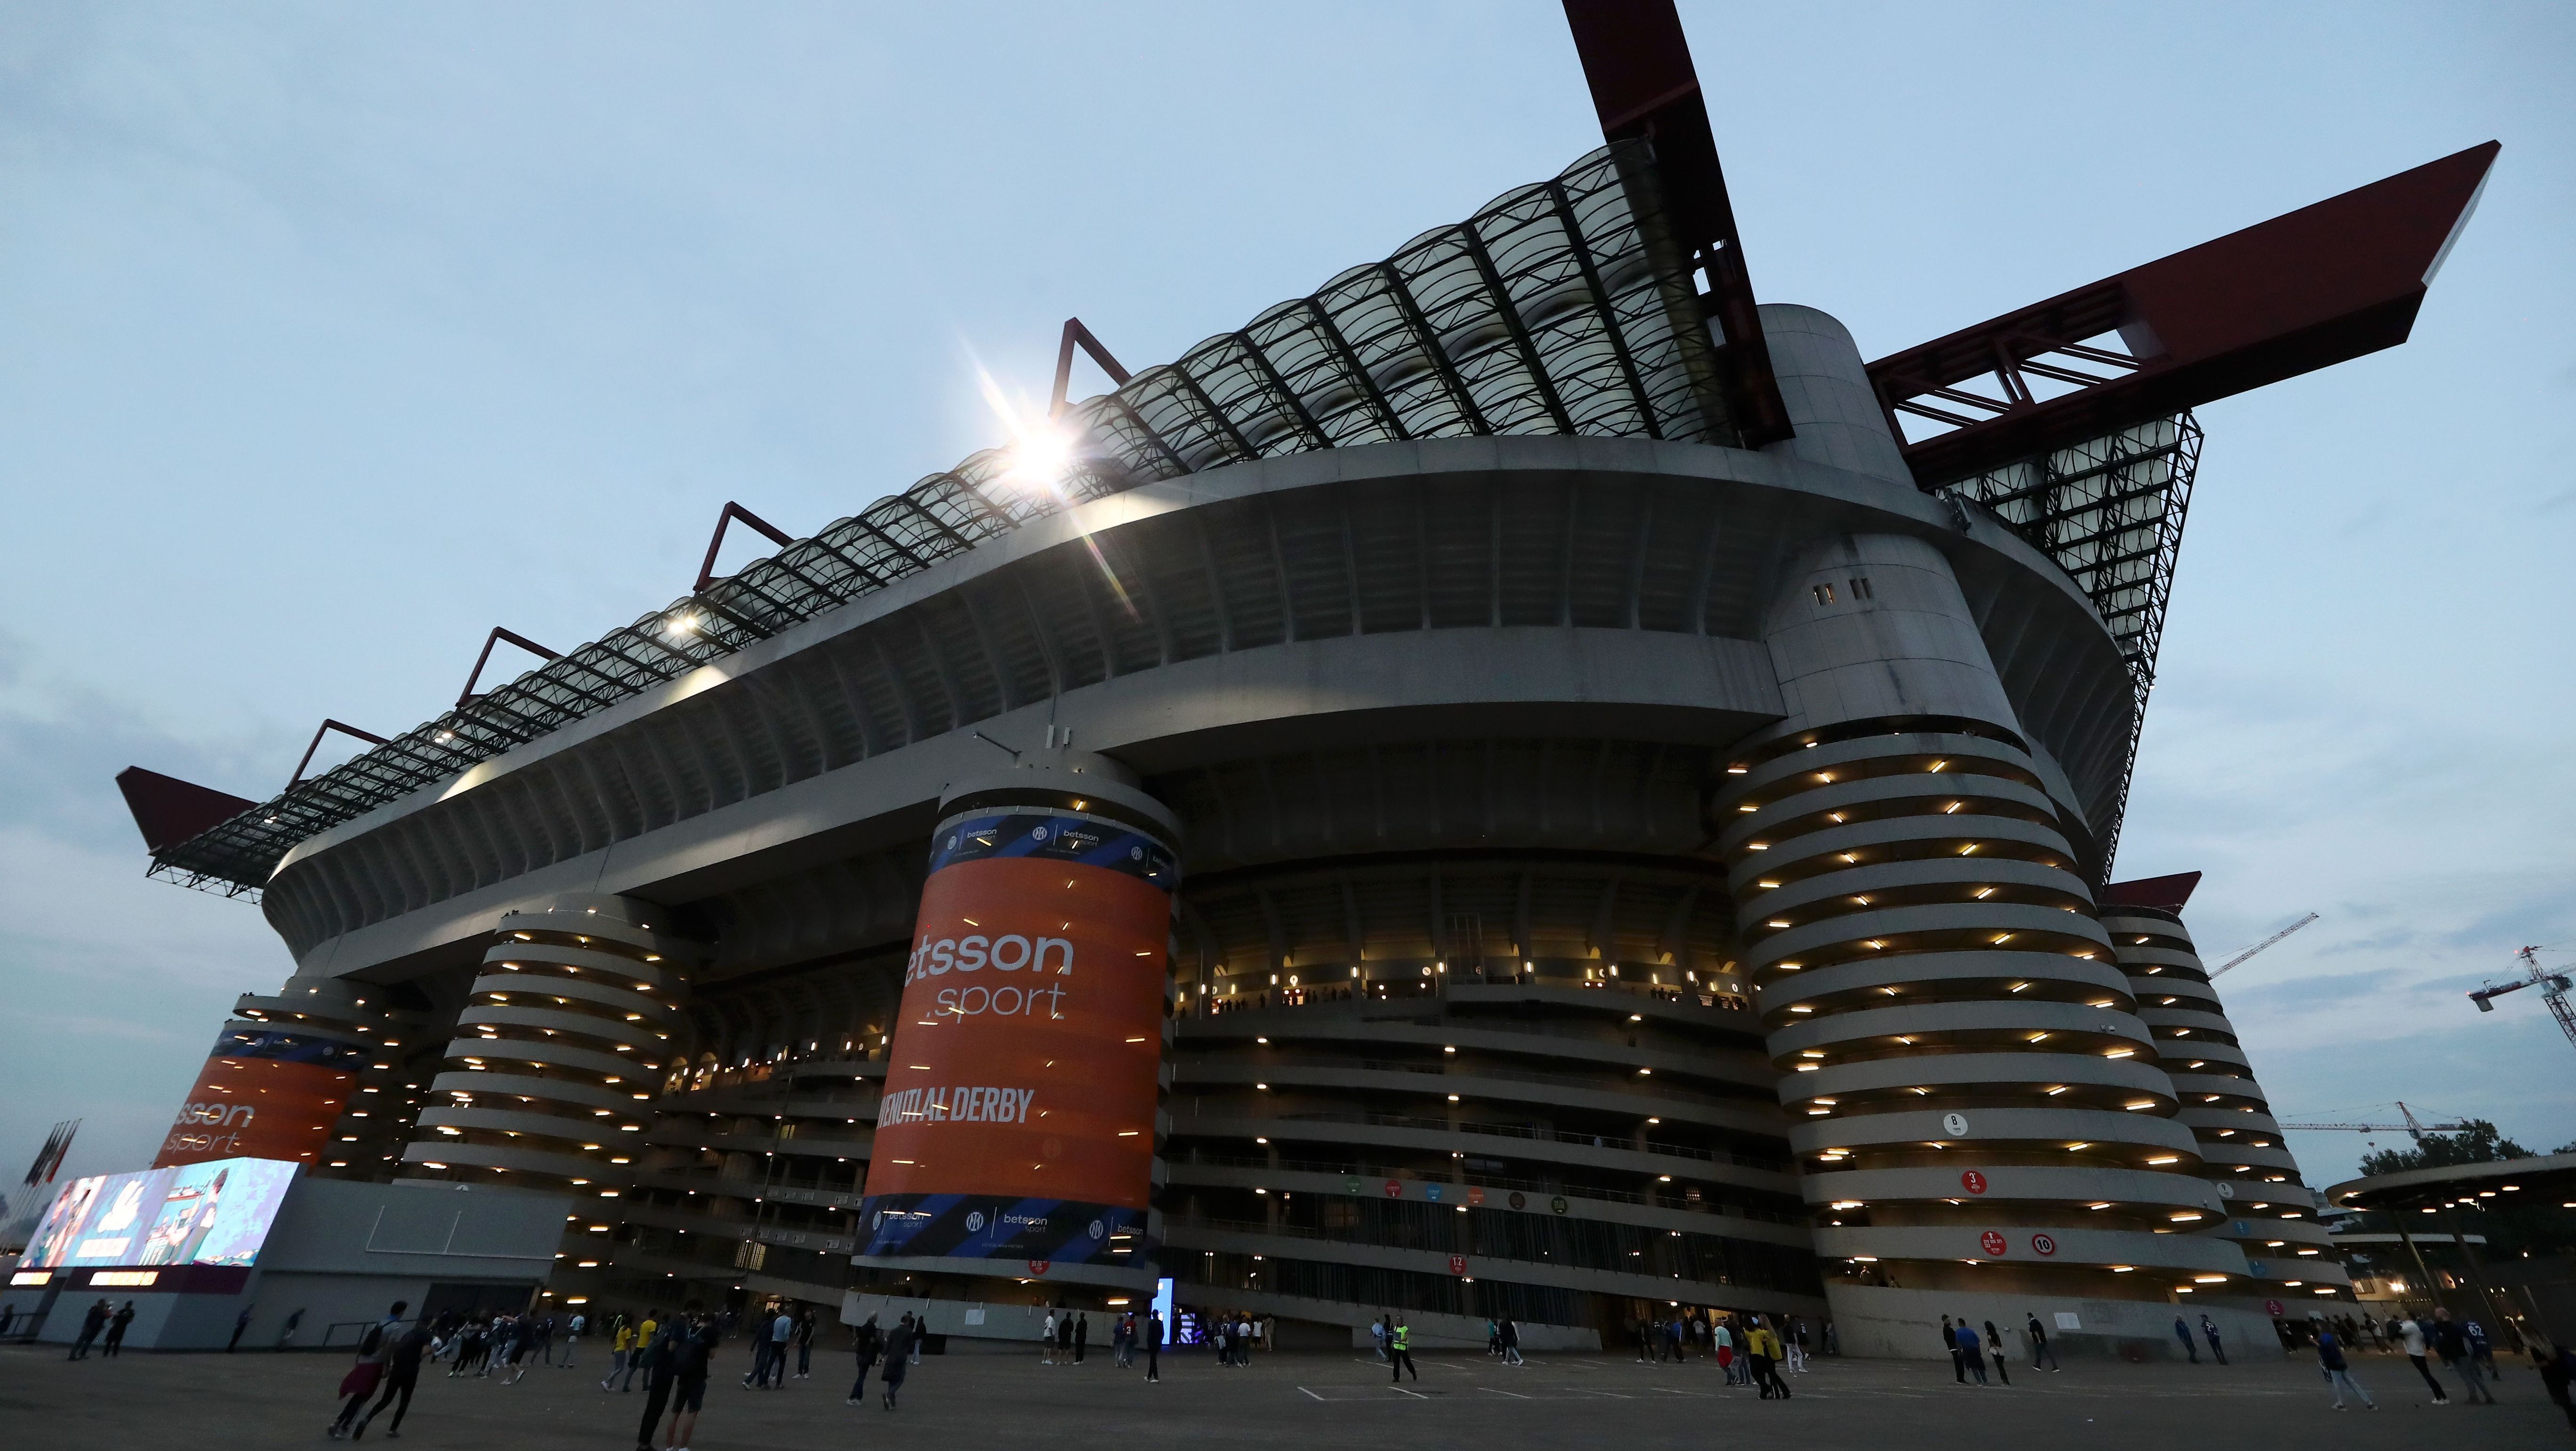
x=1577 y=797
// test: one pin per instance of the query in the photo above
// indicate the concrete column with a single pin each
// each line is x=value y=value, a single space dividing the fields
x=1976 y=1104
x=560 y=1050
x=2266 y=1209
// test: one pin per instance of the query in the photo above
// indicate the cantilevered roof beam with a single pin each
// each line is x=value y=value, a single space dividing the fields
x=1643 y=86
x=2303 y=291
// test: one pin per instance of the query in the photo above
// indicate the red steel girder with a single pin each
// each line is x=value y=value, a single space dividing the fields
x=1639 y=67
x=2312 y=288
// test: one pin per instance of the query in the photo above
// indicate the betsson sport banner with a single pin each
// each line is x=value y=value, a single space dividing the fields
x=263 y=1095
x=1018 y=1118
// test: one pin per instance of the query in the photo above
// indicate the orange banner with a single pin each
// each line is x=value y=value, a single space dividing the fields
x=1027 y=1057
x=263 y=1096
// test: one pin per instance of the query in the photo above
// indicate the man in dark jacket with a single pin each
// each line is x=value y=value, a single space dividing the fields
x=690 y=1360
x=91 y=1323
x=869 y=1344
x=2039 y=1346
x=898 y=1356
x=2452 y=1344
x=655 y=1360
x=402 y=1377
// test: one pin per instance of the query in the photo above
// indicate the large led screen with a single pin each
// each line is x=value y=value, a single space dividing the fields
x=1018 y=1116
x=216 y=1212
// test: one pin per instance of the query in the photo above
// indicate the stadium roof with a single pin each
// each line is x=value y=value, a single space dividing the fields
x=1558 y=308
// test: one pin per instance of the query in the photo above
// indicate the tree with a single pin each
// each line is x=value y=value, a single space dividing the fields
x=2479 y=1143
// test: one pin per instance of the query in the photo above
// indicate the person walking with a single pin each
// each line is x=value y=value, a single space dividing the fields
x=692 y=1355
x=656 y=1353
x=2209 y=1332
x=374 y=1348
x=1081 y=1336
x=635 y=1353
x=573 y=1331
x=116 y=1324
x=1511 y=1341
x=1377 y=1333
x=1722 y=1343
x=2410 y=1333
x=1766 y=1360
x=1154 y=1346
x=865 y=1343
x=782 y=1333
x=2182 y=1332
x=2557 y=1368
x=402 y=1377
x=805 y=1345
x=2338 y=1373
x=898 y=1357
x=621 y=1344
x=2452 y=1343
x=2039 y=1344
x=1995 y=1349
x=241 y=1322
x=1400 y=1346
x=1971 y=1354
x=758 y=1375
x=1950 y=1339
x=93 y=1321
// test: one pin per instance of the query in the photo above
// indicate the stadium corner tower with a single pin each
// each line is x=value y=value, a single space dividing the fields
x=1522 y=783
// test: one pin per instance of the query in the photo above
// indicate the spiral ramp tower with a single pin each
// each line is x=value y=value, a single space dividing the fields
x=2265 y=1208
x=559 y=1051
x=383 y=1046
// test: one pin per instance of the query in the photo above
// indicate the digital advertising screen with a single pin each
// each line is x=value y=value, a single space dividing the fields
x=265 y=1095
x=1018 y=1117
x=214 y=1213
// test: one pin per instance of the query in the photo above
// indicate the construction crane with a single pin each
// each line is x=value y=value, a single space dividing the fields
x=2553 y=991
x=2414 y=1127
x=2240 y=959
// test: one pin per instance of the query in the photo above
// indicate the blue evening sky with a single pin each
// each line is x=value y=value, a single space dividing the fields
x=332 y=335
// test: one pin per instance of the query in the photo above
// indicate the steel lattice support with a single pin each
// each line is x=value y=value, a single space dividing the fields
x=2110 y=511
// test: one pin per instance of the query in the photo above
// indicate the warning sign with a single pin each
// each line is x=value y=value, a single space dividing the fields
x=1993 y=1242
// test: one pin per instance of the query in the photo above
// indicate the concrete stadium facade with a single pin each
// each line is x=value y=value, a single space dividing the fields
x=1644 y=825
x=1622 y=873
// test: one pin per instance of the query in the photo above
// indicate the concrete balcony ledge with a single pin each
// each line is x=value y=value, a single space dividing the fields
x=2015 y=1183
x=553 y=1051
x=1997 y=1126
x=2003 y=1015
x=2022 y=1245
x=1933 y=917
x=613 y=1097
x=1981 y=1072
x=564 y=954
x=1866 y=974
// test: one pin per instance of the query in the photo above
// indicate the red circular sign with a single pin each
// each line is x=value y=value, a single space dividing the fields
x=2272 y=1307
x=1457 y=1264
x=1993 y=1241
x=1039 y=1267
x=1394 y=1190
x=1973 y=1182
x=2042 y=1244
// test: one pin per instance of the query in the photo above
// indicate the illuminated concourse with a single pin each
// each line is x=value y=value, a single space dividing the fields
x=1523 y=783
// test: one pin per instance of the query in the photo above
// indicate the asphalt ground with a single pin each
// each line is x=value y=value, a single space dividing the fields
x=1282 y=1400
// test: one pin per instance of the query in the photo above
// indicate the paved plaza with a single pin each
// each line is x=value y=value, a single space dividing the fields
x=1284 y=1400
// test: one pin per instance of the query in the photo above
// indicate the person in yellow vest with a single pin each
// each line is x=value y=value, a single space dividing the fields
x=1399 y=1353
x=620 y=1344
x=1766 y=1361
x=643 y=1342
